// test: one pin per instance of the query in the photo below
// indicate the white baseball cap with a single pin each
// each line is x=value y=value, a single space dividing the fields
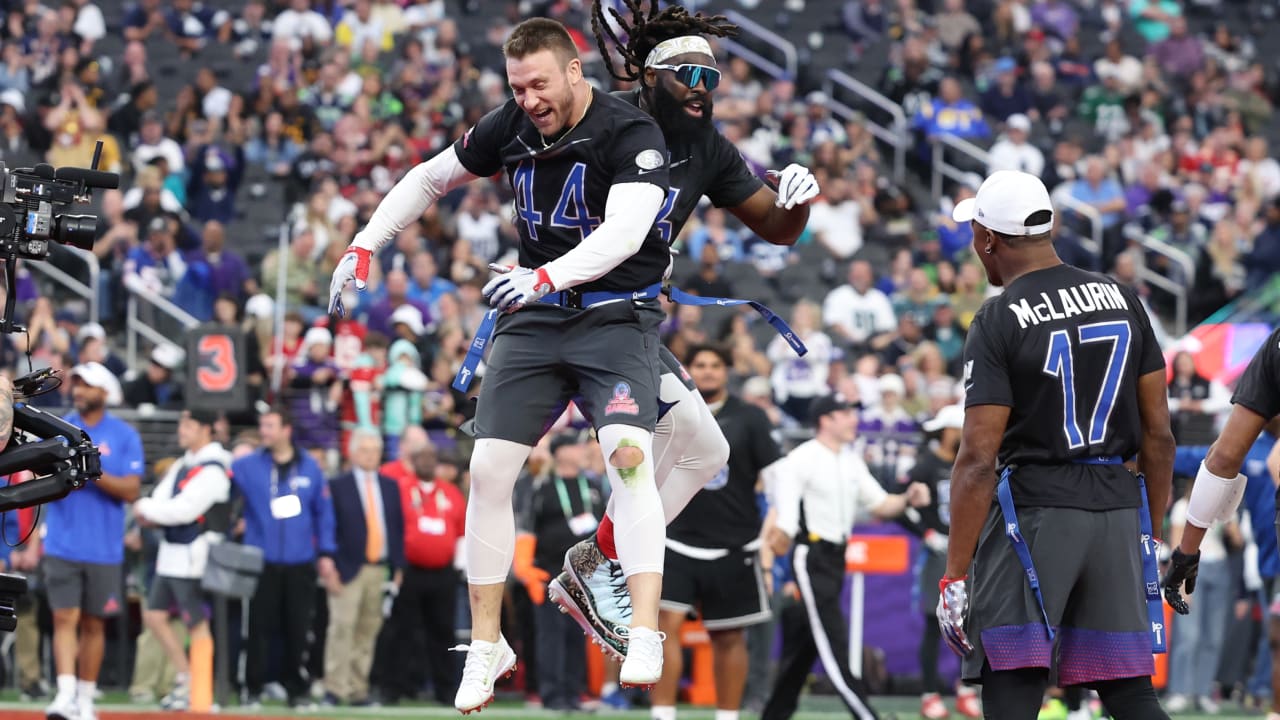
x=1018 y=121
x=951 y=416
x=1004 y=202
x=97 y=375
x=168 y=356
x=409 y=315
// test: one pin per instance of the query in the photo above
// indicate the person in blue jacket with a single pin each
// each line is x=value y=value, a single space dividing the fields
x=289 y=514
x=1260 y=491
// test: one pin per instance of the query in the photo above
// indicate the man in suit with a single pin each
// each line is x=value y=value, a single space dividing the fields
x=370 y=540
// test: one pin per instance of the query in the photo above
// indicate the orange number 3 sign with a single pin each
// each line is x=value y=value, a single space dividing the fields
x=217 y=372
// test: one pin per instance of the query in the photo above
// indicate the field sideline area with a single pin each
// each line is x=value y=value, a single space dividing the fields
x=811 y=708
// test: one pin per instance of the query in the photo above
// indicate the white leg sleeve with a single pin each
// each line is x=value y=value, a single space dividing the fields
x=689 y=446
x=491 y=523
x=639 y=530
x=706 y=451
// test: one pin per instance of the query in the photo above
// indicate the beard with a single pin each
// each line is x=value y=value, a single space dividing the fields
x=671 y=115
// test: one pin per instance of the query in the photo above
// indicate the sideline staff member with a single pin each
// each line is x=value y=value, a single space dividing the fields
x=818 y=490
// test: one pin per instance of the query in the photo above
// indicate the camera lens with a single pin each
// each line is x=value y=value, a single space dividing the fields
x=76 y=230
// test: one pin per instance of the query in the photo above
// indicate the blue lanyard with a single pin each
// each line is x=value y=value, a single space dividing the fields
x=1146 y=546
x=1150 y=573
x=679 y=296
x=1014 y=533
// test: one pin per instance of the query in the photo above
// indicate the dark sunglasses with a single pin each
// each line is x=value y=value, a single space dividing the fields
x=692 y=75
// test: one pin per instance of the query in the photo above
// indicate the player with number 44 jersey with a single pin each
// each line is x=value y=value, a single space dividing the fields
x=577 y=317
x=1064 y=398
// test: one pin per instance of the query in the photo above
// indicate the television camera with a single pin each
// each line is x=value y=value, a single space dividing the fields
x=60 y=456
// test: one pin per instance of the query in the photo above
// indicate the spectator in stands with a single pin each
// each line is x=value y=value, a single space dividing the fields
x=214 y=181
x=91 y=340
x=479 y=224
x=1103 y=105
x=229 y=273
x=189 y=505
x=955 y=23
x=1048 y=104
x=157 y=263
x=369 y=537
x=1007 y=95
x=403 y=385
x=857 y=312
x=84 y=543
x=125 y=120
x=1153 y=19
x=1263 y=261
x=43 y=338
x=425 y=285
x=302 y=26
x=917 y=299
x=158 y=385
x=314 y=392
x=835 y=219
x=191 y=24
x=1221 y=271
x=273 y=150
x=152 y=142
x=422 y=619
x=300 y=290
x=1104 y=194
x=727 y=243
x=143 y=19
x=945 y=331
x=1181 y=53
x=798 y=380
x=1013 y=152
x=288 y=512
x=395 y=294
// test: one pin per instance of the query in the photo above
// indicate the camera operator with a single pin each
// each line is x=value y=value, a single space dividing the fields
x=84 y=544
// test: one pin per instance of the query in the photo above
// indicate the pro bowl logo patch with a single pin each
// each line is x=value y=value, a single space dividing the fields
x=622 y=402
x=649 y=160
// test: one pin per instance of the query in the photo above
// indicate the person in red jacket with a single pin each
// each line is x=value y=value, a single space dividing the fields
x=423 y=618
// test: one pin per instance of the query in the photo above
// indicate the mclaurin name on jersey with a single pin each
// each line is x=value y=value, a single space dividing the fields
x=1072 y=301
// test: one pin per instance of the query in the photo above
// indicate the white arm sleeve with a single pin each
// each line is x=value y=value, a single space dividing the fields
x=209 y=487
x=628 y=214
x=1214 y=499
x=411 y=197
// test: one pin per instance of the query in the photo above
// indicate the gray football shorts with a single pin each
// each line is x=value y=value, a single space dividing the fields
x=182 y=597
x=1090 y=571
x=92 y=588
x=543 y=355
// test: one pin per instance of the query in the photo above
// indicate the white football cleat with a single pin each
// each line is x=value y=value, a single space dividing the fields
x=643 y=666
x=487 y=662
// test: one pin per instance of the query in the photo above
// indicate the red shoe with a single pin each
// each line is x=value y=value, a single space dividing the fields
x=967 y=703
x=932 y=707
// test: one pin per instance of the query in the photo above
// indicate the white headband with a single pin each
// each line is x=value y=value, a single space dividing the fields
x=668 y=49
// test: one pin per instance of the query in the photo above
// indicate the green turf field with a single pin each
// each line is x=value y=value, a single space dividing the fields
x=812 y=708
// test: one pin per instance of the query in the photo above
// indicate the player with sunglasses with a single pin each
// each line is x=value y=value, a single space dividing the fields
x=667 y=53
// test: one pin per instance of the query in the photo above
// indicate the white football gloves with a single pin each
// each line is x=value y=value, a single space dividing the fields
x=516 y=287
x=796 y=186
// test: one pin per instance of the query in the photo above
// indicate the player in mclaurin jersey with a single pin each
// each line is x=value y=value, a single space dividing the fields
x=577 y=317
x=1219 y=485
x=1064 y=394
x=666 y=52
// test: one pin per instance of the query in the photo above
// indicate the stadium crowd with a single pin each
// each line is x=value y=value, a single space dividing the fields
x=324 y=105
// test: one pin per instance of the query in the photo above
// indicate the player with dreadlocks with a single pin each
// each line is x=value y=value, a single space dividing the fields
x=667 y=54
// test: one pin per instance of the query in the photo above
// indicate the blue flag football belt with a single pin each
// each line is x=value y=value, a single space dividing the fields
x=1146 y=547
x=484 y=333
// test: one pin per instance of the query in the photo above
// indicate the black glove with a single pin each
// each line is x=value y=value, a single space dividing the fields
x=1183 y=569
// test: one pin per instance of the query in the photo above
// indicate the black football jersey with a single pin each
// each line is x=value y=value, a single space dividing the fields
x=724 y=514
x=561 y=190
x=701 y=164
x=1063 y=348
x=1259 y=385
x=935 y=473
